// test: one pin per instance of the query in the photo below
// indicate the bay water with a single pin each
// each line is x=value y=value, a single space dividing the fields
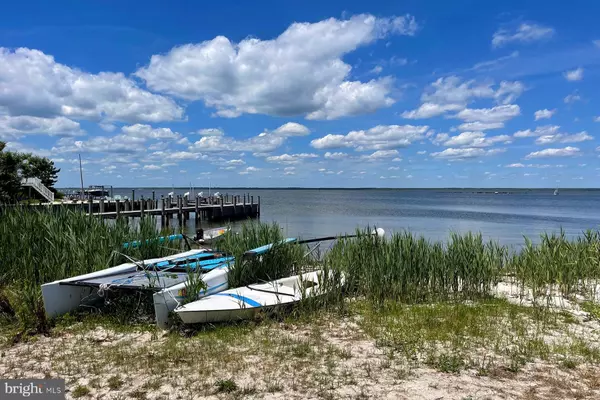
x=504 y=215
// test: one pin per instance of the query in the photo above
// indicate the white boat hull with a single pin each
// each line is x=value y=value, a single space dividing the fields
x=170 y=298
x=60 y=299
x=245 y=302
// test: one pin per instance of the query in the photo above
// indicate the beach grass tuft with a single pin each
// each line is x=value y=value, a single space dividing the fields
x=281 y=261
x=411 y=269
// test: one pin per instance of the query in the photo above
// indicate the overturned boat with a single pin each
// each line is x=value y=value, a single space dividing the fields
x=166 y=277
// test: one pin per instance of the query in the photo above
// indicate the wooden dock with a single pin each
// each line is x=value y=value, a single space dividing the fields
x=225 y=208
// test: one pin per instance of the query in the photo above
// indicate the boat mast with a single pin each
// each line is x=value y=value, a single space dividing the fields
x=81 y=176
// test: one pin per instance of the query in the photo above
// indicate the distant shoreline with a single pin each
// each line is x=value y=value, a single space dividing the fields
x=459 y=189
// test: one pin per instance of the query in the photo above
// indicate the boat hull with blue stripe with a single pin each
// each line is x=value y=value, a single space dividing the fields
x=245 y=302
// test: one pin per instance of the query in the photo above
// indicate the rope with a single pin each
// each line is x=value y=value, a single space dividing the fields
x=103 y=287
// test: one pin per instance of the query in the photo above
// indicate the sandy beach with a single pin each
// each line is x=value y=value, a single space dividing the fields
x=494 y=349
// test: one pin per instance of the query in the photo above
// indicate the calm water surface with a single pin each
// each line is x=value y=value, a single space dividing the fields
x=430 y=212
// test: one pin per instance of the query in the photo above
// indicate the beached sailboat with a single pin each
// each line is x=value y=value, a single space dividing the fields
x=167 y=277
x=245 y=302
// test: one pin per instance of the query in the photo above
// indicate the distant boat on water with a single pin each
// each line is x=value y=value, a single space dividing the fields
x=556 y=192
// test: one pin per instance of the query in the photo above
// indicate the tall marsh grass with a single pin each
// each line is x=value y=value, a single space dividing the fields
x=560 y=265
x=281 y=261
x=412 y=269
x=40 y=246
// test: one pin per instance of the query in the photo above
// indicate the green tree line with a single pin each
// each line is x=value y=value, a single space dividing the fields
x=15 y=166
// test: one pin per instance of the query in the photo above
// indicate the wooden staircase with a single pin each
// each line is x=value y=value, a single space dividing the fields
x=37 y=184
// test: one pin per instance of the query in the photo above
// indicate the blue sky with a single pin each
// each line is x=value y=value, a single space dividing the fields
x=310 y=94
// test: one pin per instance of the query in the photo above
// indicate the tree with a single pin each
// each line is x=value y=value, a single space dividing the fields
x=40 y=167
x=10 y=180
x=15 y=166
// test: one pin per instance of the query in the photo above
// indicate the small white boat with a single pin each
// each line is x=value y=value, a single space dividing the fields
x=556 y=192
x=246 y=302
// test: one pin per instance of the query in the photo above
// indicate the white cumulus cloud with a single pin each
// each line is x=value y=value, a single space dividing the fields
x=249 y=170
x=380 y=137
x=473 y=139
x=544 y=114
x=563 y=138
x=428 y=110
x=381 y=154
x=454 y=154
x=211 y=132
x=523 y=33
x=292 y=129
x=15 y=127
x=147 y=132
x=539 y=131
x=574 y=75
x=101 y=144
x=290 y=158
x=572 y=98
x=561 y=152
x=300 y=72
x=33 y=83
x=498 y=114
x=453 y=94
x=335 y=155
x=480 y=126
x=263 y=143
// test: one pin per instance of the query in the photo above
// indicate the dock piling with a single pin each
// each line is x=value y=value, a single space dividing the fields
x=225 y=207
x=179 y=209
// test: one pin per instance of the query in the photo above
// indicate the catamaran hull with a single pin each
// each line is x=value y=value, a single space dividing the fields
x=61 y=297
x=246 y=302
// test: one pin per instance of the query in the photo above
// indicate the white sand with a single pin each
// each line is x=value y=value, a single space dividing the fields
x=333 y=359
